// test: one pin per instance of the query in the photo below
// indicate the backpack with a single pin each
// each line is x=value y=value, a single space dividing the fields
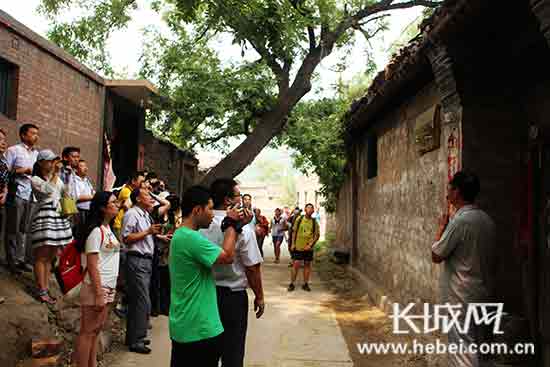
x=69 y=272
x=313 y=227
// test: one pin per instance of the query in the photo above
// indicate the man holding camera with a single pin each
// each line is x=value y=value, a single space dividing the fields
x=138 y=232
x=232 y=280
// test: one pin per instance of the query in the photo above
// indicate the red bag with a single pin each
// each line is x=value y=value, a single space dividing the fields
x=70 y=273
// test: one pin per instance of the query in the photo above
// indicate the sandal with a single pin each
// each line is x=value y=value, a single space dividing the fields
x=44 y=297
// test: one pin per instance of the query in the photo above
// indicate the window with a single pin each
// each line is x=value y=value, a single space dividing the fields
x=8 y=88
x=372 y=156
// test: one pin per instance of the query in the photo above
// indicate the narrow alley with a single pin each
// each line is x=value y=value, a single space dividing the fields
x=296 y=329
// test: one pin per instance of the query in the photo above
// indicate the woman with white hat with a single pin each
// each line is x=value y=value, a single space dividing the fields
x=49 y=229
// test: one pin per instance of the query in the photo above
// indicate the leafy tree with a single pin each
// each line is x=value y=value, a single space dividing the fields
x=315 y=133
x=282 y=42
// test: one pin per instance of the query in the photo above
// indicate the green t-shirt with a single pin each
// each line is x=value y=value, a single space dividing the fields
x=194 y=307
x=305 y=232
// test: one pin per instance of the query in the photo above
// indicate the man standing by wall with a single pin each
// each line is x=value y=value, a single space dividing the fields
x=305 y=234
x=465 y=246
x=232 y=280
x=138 y=233
x=20 y=160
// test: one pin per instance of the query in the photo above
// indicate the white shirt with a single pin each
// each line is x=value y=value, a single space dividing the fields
x=21 y=156
x=109 y=254
x=247 y=254
x=278 y=228
x=83 y=187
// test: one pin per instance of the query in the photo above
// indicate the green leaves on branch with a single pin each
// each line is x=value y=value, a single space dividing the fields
x=86 y=37
x=207 y=101
x=314 y=132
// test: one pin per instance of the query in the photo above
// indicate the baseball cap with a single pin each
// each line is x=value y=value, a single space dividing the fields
x=46 y=155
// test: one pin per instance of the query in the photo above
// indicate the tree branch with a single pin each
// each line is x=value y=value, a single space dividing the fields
x=269 y=58
x=381 y=6
x=311 y=35
x=310 y=30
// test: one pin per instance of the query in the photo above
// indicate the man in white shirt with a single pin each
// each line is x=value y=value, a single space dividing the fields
x=232 y=280
x=84 y=191
x=20 y=160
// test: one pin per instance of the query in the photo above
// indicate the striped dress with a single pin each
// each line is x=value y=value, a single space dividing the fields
x=49 y=227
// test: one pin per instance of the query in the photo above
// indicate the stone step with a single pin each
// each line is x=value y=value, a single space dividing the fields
x=41 y=348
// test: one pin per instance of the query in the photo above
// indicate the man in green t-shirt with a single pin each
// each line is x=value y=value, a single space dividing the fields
x=195 y=325
x=305 y=233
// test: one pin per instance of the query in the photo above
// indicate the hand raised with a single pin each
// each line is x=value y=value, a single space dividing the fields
x=155 y=229
x=233 y=213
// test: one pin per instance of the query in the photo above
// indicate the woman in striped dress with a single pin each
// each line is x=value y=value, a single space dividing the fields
x=49 y=229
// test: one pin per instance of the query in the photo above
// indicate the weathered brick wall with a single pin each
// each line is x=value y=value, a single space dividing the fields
x=398 y=209
x=169 y=163
x=63 y=102
x=343 y=220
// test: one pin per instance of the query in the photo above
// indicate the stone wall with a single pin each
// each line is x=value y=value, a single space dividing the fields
x=398 y=209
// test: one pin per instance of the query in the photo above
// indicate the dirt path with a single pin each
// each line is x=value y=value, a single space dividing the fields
x=361 y=322
x=297 y=330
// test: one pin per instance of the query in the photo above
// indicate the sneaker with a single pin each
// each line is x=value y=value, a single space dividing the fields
x=139 y=348
x=291 y=287
x=306 y=288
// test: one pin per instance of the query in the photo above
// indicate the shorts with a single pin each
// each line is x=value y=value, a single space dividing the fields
x=87 y=294
x=302 y=255
x=277 y=239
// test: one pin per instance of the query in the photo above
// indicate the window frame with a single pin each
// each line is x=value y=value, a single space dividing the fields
x=11 y=72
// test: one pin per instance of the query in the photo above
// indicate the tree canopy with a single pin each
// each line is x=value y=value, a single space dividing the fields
x=207 y=99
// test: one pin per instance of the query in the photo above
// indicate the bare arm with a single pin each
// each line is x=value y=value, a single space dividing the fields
x=3 y=196
x=228 y=247
x=139 y=236
x=92 y=261
x=443 y=222
x=84 y=198
x=254 y=276
x=164 y=204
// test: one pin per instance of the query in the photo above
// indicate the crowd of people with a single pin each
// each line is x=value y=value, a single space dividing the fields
x=146 y=250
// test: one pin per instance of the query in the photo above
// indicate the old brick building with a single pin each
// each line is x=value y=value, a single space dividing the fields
x=470 y=92
x=42 y=84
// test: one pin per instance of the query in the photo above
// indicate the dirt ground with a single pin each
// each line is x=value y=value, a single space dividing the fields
x=361 y=321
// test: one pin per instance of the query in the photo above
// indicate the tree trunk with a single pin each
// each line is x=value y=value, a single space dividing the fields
x=269 y=126
x=236 y=161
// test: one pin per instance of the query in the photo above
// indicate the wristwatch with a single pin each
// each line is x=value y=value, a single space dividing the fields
x=230 y=222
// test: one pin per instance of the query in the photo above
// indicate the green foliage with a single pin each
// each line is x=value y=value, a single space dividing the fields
x=86 y=37
x=209 y=102
x=315 y=132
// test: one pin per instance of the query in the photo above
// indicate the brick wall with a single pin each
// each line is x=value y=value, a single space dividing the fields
x=64 y=103
x=398 y=209
x=174 y=166
x=343 y=220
